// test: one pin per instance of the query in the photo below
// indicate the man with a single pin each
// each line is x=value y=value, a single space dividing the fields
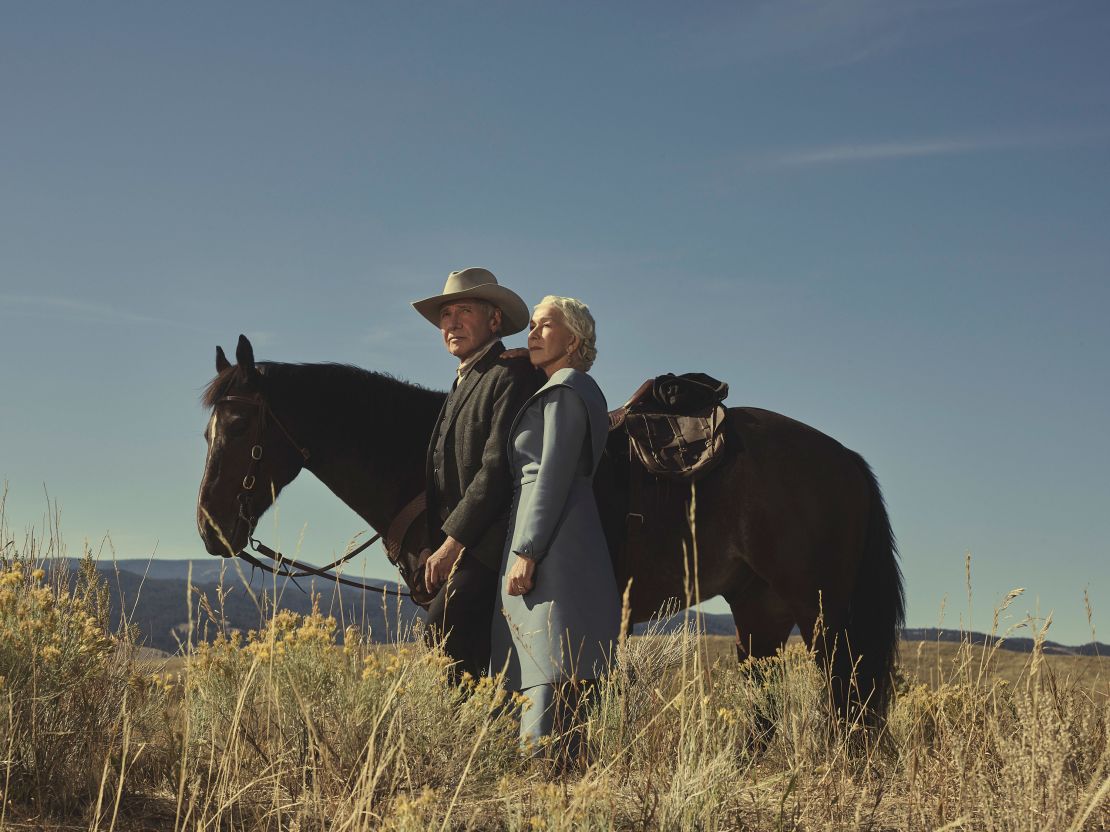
x=467 y=468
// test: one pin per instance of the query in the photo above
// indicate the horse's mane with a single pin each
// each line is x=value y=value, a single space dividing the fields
x=356 y=387
x=219 y=385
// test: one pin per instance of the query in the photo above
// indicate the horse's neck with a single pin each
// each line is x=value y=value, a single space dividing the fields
x=374 y=465
x=351 y=478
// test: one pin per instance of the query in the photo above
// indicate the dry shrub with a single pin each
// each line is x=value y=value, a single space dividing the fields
x=1041 y=755
x=988 y=754
x=289 y=718
x=286 y=728
x=76 y=711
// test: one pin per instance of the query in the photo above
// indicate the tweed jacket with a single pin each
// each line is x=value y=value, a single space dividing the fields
x=566 y=626
x=467 y=471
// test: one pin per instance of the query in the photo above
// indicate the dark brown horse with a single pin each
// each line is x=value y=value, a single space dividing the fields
x=790 y=529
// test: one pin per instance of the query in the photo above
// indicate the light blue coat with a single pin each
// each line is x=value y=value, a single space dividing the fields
x=567 y=625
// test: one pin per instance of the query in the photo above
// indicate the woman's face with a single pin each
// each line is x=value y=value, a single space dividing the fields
x=550 y=341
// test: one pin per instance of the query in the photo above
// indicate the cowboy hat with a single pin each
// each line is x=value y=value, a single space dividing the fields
x=479 y=284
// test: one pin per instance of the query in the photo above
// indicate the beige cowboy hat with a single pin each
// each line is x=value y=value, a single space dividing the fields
x=481 y=285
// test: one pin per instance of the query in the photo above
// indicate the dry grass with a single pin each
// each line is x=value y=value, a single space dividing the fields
x=934 y=663
x=937 y=663
x=286 y=729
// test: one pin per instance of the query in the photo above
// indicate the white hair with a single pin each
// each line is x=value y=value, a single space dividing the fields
x=581 y=324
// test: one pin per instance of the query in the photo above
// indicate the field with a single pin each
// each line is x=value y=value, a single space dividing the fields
x=932 y=663
x=285 y=728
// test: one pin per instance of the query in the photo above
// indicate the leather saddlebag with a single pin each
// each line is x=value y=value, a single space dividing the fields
x=687 y=393
x=677 y=446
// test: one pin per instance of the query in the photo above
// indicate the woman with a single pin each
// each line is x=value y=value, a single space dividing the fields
x=561 y=609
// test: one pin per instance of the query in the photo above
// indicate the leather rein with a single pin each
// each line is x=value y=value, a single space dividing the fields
x=286 y=567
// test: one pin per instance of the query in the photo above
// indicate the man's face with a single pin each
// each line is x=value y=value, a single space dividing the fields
x=467 y=325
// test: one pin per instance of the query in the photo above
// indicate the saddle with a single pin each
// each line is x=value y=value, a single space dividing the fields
x=675 y=425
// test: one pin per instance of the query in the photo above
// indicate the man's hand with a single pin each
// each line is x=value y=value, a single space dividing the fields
x=438 y=566
x=517 y=352
x=521 y=577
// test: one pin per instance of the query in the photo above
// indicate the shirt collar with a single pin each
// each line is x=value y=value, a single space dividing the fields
x=465 y=366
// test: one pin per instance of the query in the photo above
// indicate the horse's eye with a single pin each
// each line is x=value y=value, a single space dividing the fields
x=236 y=427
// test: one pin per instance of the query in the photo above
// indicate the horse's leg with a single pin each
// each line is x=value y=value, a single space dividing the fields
x=809 y=573
x=763 y=624
x=822 y=624
x=766 y=609
x=763 y=620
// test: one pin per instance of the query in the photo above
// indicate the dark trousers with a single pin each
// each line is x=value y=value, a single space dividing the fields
x=461 y=614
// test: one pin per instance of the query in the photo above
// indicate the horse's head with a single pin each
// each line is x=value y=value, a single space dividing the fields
x=251 y=455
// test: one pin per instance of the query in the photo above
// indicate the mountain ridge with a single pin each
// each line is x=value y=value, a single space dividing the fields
x=148 y=587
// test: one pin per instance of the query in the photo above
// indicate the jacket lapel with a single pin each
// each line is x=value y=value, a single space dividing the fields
x=469 y=383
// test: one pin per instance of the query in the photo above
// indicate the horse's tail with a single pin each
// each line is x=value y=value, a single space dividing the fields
x=876 y=614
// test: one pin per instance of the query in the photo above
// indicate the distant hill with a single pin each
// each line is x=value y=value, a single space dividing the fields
x=1019 y=645
x=158 y=605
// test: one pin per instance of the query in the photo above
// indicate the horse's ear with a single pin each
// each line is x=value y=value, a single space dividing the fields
x=221 y=360
x=244 y=354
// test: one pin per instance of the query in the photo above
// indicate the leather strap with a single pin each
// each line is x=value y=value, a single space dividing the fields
x=616 y=417
x=634 y=518
x=393 y=539
x=640 y=393
x=395 y=536
x=284 y=564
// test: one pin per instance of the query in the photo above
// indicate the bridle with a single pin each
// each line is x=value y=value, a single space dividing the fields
x=243 y=498
x=286 y=567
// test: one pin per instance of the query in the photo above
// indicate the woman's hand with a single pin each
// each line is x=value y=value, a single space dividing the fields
x=521 y=576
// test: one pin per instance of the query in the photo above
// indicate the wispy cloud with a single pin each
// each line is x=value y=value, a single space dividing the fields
x=863 y=152
x=77 y=309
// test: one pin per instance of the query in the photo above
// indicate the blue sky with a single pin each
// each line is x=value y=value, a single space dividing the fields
x=888 y=219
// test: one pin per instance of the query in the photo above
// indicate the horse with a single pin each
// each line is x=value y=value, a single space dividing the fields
x=790 y=529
